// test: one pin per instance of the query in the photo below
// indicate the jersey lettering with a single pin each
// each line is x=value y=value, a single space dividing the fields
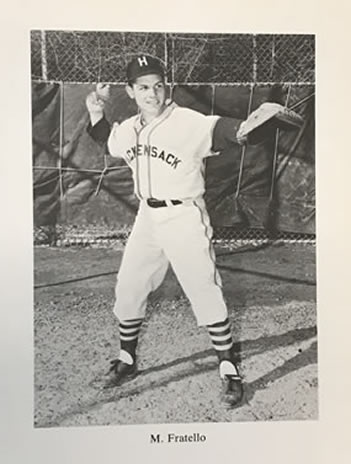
x=168 y=158
x=154 y=152
x=175 y=163
x=147 y=150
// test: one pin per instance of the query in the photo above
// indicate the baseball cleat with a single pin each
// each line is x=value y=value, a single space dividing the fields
x=232 y=383
x=120 y=372
x=233 y=391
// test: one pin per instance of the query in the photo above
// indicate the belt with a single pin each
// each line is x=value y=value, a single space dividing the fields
x=153 y=203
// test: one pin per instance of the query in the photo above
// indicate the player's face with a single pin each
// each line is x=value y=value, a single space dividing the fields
x=149 y=93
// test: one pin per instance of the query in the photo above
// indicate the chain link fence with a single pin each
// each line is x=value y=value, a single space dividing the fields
x=68 y=56
x=101 y=236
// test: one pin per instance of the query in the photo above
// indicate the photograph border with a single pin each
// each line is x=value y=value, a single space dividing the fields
x=314 y=442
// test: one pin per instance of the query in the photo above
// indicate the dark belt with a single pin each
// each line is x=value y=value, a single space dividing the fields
x=160 y=203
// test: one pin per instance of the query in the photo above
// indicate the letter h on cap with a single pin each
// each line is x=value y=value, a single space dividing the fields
x=143 y=61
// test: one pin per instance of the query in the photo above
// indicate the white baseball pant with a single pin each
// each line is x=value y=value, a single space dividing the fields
x=179 y=235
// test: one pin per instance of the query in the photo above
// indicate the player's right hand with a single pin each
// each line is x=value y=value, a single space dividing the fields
x=103 y=91
x=95 y=101
x=94 y=104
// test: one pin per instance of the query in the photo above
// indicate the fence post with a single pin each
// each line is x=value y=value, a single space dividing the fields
x=254 y=64
x=61 y=138
x=44 y=63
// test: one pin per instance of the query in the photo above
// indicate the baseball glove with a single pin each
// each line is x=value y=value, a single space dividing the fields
x=267 y=116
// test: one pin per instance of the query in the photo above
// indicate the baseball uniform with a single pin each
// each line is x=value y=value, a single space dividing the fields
x=167 y=162
x=167 y=157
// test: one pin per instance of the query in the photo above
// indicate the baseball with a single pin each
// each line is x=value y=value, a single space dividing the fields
x=103 y=91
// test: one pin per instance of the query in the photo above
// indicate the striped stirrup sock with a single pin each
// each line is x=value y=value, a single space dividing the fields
x=221 y=336
x=128 y=335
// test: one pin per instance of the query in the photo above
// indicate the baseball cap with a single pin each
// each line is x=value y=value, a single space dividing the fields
x=143 y=65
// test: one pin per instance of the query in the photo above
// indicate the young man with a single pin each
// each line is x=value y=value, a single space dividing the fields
x=165 y=146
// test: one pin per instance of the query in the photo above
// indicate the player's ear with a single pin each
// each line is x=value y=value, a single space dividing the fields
x=130 y=91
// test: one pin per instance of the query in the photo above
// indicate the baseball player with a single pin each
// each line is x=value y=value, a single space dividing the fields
x=165 y=146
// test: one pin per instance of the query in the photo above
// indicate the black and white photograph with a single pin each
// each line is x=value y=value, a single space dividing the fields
x=174 y=228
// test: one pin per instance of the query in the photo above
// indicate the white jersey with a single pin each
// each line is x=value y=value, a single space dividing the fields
x=167 y=155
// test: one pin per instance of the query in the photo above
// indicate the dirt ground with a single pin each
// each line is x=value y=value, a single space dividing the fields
x=271 y=296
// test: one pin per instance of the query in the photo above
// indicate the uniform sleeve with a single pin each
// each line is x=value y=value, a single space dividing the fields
x=202 y=128
x=215 y=133
x=114 y=141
